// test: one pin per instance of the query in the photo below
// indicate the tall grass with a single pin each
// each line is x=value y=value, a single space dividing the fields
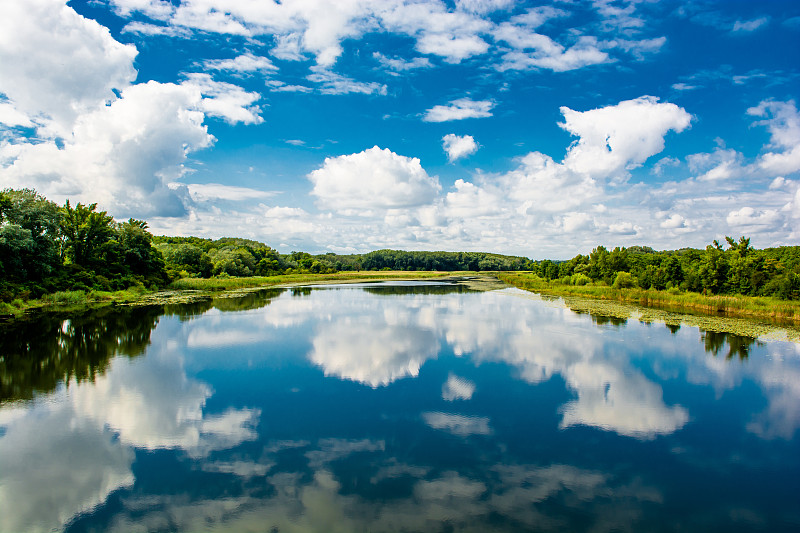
x=761 y=307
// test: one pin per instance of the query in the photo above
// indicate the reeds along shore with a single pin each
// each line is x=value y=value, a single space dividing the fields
x=758 y=307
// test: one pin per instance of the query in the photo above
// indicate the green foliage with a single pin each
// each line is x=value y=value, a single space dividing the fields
x=739 y=269
x=45 y=248
x=624 y=280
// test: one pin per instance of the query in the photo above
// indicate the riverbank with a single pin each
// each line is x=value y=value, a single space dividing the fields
x=187 y=290
x=772 y=310
x=192 y=289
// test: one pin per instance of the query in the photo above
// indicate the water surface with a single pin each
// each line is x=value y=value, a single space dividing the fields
x=393 y=407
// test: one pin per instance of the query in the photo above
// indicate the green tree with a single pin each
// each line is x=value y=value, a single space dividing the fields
x=84 y=230
x=29 y=233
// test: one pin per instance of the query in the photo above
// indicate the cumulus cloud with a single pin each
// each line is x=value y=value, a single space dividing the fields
x=459 y=109
x=71 y=64
x=122 y=155
x=373 y=179
x=747 y=216
x=120 y=148
x=225 y=100
x=457 y=146
x=620 y=137
x=782 y=119
x=719 y=165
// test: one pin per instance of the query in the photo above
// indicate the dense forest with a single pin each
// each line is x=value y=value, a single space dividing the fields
x=46 y=248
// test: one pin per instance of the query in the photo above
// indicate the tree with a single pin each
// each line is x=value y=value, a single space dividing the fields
x=30 y=232
x=84 y=230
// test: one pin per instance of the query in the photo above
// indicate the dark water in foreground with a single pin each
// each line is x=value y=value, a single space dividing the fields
x=393 y=407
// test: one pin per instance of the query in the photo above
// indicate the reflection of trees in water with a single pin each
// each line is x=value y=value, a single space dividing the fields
x=246 y=302
x=601 y=320
x=391 y=290
x=673 y=328
x=36 y=355
x=739 y=346
x=41 y=353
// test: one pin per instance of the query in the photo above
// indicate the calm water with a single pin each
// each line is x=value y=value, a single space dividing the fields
x=393 y=407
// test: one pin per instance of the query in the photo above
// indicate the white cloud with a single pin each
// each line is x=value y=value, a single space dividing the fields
x=398 y=64
x=158 y=9
x=144 y=28
x=616 y=138
x=719 y=165
x=747 y=216
x=454 y=36
x=372 y=179
x=204 y=192
x=121 y=155
x=71 y=64
x=468 y=200
x=226 y=101
x=533 y=50
x=460 y=109
x=577 y=222
x=243 y=63
x=333 y=83
x=783 y=123
x=750 y=25
x=483 y=6
x=453 y=48
x=11 y=116
x=684 y=87
x=457 y=147
x=674 y=221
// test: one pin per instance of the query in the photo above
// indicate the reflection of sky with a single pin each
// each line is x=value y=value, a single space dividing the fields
x=423 y=400
x=63 y=455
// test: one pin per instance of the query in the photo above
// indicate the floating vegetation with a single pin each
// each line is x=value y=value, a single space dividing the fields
x=626 y=311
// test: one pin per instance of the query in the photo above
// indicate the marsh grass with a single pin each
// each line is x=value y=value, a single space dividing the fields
x=758 y=307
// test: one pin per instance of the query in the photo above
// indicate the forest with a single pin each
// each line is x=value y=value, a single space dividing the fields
x=45 y=248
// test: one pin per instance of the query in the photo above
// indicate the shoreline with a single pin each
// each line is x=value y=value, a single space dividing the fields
x=655 y=306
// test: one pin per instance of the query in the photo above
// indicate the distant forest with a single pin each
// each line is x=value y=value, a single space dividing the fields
x=46 y=248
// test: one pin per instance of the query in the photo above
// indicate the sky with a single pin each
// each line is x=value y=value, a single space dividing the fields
x=526 y=128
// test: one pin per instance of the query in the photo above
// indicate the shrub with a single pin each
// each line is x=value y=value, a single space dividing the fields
x=624 y=280
x=580 y=279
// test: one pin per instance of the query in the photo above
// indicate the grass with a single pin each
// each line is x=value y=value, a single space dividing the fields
x=757 y=307
x=232 y=283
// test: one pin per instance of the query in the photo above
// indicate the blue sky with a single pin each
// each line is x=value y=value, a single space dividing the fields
x=538 y=129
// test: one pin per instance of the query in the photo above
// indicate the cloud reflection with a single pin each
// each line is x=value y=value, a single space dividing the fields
x=326 y=499
x=67 y=452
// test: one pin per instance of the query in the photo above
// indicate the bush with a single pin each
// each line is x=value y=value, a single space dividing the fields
x=580 y=279
x=624 y=280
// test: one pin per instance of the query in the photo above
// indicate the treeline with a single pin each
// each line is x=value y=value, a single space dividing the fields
x=195 y=257
x=735 y=269
x=46 y=248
